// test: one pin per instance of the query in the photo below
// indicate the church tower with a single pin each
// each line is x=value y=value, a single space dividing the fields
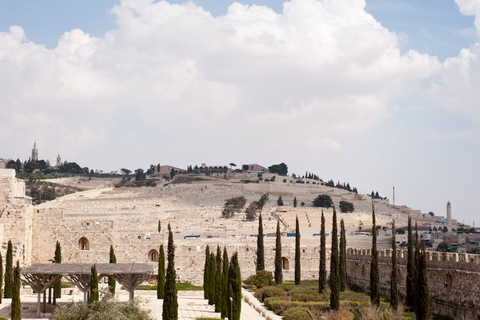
x=59 y=161
x=35 y=152
x=449 y=214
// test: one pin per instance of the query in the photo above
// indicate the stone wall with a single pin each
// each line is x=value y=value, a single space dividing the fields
x=453 y=279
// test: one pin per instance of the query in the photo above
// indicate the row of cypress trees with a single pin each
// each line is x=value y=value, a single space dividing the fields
x=221 y=281
x=12 y=283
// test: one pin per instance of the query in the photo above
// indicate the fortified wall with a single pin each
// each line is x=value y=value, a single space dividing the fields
x=453 y=279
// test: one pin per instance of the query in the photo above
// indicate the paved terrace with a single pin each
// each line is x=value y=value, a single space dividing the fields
x=191 y=305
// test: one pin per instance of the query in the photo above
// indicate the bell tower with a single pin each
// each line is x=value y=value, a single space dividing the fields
x=59 y=161
x=35 y=152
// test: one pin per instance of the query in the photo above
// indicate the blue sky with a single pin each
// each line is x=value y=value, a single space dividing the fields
x=377 y=95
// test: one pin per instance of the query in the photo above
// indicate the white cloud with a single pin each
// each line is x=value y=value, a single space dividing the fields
x=322 y=69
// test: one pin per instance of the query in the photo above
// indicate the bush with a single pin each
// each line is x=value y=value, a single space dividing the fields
x=305 y=297
x=236 y=202
x=296 y=314
x=261 y=279
x=268 y=292
x=228 y=212
x=339 y=315
x=346 y=206
x=277 y=305
x=323 y=201
x=251 y=211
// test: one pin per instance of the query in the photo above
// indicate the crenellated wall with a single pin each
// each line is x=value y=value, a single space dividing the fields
x=453 y=279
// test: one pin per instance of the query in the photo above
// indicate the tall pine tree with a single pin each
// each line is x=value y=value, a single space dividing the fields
x=161 y=274
x=9 y=271
x=111 y=279
x=410 y=267
x=418 y=267
x=234 y=289
x=211 y=276
x=278 y=256
x=322 y=277
x=170 y=301
x=334 y=267
x=294 y=202
x=343 y=257
x=16 y=309
x=394 y=277
x=298 y=269
x=206 y=273
x=94 y=284
x=423 y=309
x=218 y=280
x=58 y=259
x=374 y=277
x=225 y=300
x=260 y=248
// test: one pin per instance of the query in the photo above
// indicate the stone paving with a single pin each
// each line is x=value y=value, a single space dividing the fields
x=191 y=306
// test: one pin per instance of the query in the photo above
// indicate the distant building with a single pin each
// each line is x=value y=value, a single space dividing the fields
x=160 y=171
x=254 y=168
x=35 y=152
x=205 y=168
x=59 y=161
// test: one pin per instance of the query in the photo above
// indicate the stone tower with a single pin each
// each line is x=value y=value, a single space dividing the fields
x=35 y=152
x=59 y=161
x=449 y=214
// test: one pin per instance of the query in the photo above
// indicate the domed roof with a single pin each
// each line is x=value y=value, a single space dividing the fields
x=442 y=220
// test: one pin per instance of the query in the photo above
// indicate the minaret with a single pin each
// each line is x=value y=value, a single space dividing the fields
x=35 y=152
x=59 y=161
x=449 y=215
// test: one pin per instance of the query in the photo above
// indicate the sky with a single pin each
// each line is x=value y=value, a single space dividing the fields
x=379 y=93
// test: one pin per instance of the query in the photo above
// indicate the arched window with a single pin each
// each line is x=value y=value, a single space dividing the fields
x=153 y=255
x=83 y=244
x=286 y=264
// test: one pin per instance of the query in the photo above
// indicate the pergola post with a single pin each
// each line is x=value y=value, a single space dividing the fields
x=38 y=304
x=45 y=301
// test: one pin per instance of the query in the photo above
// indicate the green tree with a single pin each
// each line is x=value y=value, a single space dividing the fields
x=374 y=276
x=218 y=280
x=281 y=169
x=410 y=267
x=94 y=284
x=251 y=211
x=9 y=270
x=260 y=248
x=343 y=257
x=334 y=267
x=211 y=276
x=423 y=310
x=297 y=254
x=206 y=273
x=234 y=289
x=322 y=277
x=58 y=259
x=394 y=277
x=323 y=200
x=236 y=202
x=111 y=279
x=225 y=300
x=346 y=206
x=263 y=201
x=294 y=202
x=161 y=274
x=16 y=309
x=278 y=256
x=280 y=201
x=159 y=226
x=170 y=301
x=418 y=267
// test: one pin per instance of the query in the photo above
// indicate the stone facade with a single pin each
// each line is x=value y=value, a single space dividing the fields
x=453 y=279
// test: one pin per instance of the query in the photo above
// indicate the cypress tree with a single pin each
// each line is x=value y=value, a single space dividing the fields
x=234 y=289
x=58 y=259
x=278 y=256
x=410 y=267
x=297 y=254
x=260 y=248
x=1 y=278
x=16 y=310
x=159 y=225
x=334 y=266
x=224 y=297
x=218 y=280
x=343 y=257
x=322 y=277
x=206 y=271
x=161 y=274
x=211 y=276
x=8 y=271
x=418 y=267
x=280 y=201
x=294 y=202
x=111 y=279
x=94 y=284
x=423 y=309
x=394 y=276
x=170 y=302
x=374 y=278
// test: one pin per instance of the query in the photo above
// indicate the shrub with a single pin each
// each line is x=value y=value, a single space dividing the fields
x=284 y=180
x=236 y=202
x=261 y=279
x=277 y=305
x=339 y=315
x=323 y=201
x=268 y=292
x=251 y=211
x=296 y=314
x=346 y=206
x=305 y=297
x=228 y=212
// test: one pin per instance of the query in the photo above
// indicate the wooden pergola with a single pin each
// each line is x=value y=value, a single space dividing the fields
x=43 y=276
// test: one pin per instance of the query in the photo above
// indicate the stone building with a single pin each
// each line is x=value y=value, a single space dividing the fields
x=35 y=152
